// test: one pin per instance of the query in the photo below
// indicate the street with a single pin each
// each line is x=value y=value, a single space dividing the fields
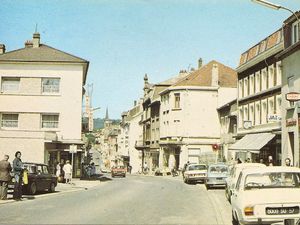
x=131 y=200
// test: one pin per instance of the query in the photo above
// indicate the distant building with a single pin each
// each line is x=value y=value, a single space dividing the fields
x=228 y=121
x=41 y=103
x=259 y=102
x=290 y=65
x=189 y=124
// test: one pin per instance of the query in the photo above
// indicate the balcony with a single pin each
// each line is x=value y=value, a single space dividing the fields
x=140 y=145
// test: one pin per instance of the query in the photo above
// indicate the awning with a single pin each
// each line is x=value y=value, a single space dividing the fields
x=252 y=142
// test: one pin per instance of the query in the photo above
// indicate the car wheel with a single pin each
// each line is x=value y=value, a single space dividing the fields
x=32 y=188
x=234 y=220
x=52 y=187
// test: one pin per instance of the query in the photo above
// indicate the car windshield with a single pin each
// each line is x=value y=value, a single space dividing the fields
x=197 y=167
x=218 y=169
x=272 y=180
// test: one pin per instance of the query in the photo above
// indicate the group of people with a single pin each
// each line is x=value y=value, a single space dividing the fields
x=64 y=171
x=7 y=172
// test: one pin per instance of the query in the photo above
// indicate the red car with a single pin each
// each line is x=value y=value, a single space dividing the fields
x=118 y=171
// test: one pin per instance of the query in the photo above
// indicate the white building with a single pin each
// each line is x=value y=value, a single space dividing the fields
x=41 y=103
x=259 y=101
x=189 y=123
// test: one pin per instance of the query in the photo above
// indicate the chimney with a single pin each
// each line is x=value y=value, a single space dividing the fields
x=146 y=84
x=28 y=44
x=36 y=40
x=2 y=49
x=134 y=103
x=215 y=75
x=200 y=63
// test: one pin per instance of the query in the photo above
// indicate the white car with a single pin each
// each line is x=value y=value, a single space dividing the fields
x=195 y=173
x=269 y=195
x=234 y=173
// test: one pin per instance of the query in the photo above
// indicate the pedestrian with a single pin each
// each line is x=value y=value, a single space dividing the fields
x=93 y=169
x=18 y=170
x=261 y=161
x=68 y=171
x=129 y=169
x=287 y=162
x=58 y=169
x=5 y=169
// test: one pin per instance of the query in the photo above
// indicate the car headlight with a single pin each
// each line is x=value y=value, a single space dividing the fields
x=249 y=210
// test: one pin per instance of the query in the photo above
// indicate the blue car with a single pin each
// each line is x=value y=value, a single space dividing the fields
x=216 y=175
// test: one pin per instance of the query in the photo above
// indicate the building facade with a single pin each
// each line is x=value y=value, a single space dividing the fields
x=259 y=102
x=290 y=58
x=189 y=124
x=37 y=83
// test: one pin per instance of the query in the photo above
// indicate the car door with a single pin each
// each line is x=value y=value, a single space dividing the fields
x=39 y=178
x=46 y=177
x=236 y=194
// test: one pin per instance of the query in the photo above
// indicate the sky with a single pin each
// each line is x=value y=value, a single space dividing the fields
x=124 y=39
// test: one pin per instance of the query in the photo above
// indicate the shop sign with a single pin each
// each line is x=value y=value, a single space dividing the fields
x=274 y=118
x=291 y=122
x=292 y=96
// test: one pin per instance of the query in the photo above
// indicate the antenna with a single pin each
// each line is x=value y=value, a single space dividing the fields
x=36 y=27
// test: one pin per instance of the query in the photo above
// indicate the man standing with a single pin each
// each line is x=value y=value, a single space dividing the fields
x=18 y=171
x=68 y=171
x=5 y=169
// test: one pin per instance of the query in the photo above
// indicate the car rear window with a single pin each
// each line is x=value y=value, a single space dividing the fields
x=218 y=169
x=197 y=167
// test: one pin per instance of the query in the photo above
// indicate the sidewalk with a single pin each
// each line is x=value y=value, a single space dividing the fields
x=61 y=188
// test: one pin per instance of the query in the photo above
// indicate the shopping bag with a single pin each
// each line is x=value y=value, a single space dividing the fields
x=25 y=177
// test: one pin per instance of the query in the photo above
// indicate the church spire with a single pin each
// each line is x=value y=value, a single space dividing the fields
x=106 y=114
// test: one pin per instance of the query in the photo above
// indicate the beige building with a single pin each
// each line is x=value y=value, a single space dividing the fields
x=189 y=124
x=41 y=103
x=290 y=57
x=259 y=101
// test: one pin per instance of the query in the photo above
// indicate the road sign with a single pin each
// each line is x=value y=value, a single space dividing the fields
x=73 y=148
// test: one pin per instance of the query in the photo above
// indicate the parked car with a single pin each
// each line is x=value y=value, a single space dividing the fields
x=267 y=196
x=39 y=179
x=216 y=175
x=195 y=173
x=233 y=176
x=118 y=171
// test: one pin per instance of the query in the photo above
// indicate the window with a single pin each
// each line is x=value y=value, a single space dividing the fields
x=295 y=33
x=246 y=113
x=271 y=74
x=251 y=89
x=10 y=84
x=264 y=111
x=241 y=117
x=278 y=104
x=9 y=120
x=278 y=73
x=251 y=113
x=177 y=100
x=271 y=107
x=290 y=82
x=257 y=113
x=257 y=82
x=246 y=86
x=49 y=121
x=264 y=80
x=50 y=85
x=240 y=88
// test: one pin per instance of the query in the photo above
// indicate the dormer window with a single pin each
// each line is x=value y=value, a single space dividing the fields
x=295 y=32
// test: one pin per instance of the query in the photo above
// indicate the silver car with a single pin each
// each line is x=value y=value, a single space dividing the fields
x=216 y=175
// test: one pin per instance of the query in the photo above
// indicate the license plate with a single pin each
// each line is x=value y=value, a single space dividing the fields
x=282 y=210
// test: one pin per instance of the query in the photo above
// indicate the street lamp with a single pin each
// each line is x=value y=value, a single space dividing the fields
x=274 y=6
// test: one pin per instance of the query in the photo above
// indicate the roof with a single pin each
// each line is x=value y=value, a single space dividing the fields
x=174 y=79
x=269 y=42
x=43 y=53
x=227 y=76
x=272 y=169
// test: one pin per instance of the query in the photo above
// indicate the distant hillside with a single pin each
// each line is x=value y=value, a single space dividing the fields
x=99 y=123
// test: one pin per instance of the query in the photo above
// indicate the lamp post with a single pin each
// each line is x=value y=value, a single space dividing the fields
x=274 y=6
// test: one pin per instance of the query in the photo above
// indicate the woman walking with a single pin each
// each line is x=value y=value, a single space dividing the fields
x=18 y=169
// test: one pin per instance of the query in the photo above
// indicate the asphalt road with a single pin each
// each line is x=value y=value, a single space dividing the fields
x=130 y=200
